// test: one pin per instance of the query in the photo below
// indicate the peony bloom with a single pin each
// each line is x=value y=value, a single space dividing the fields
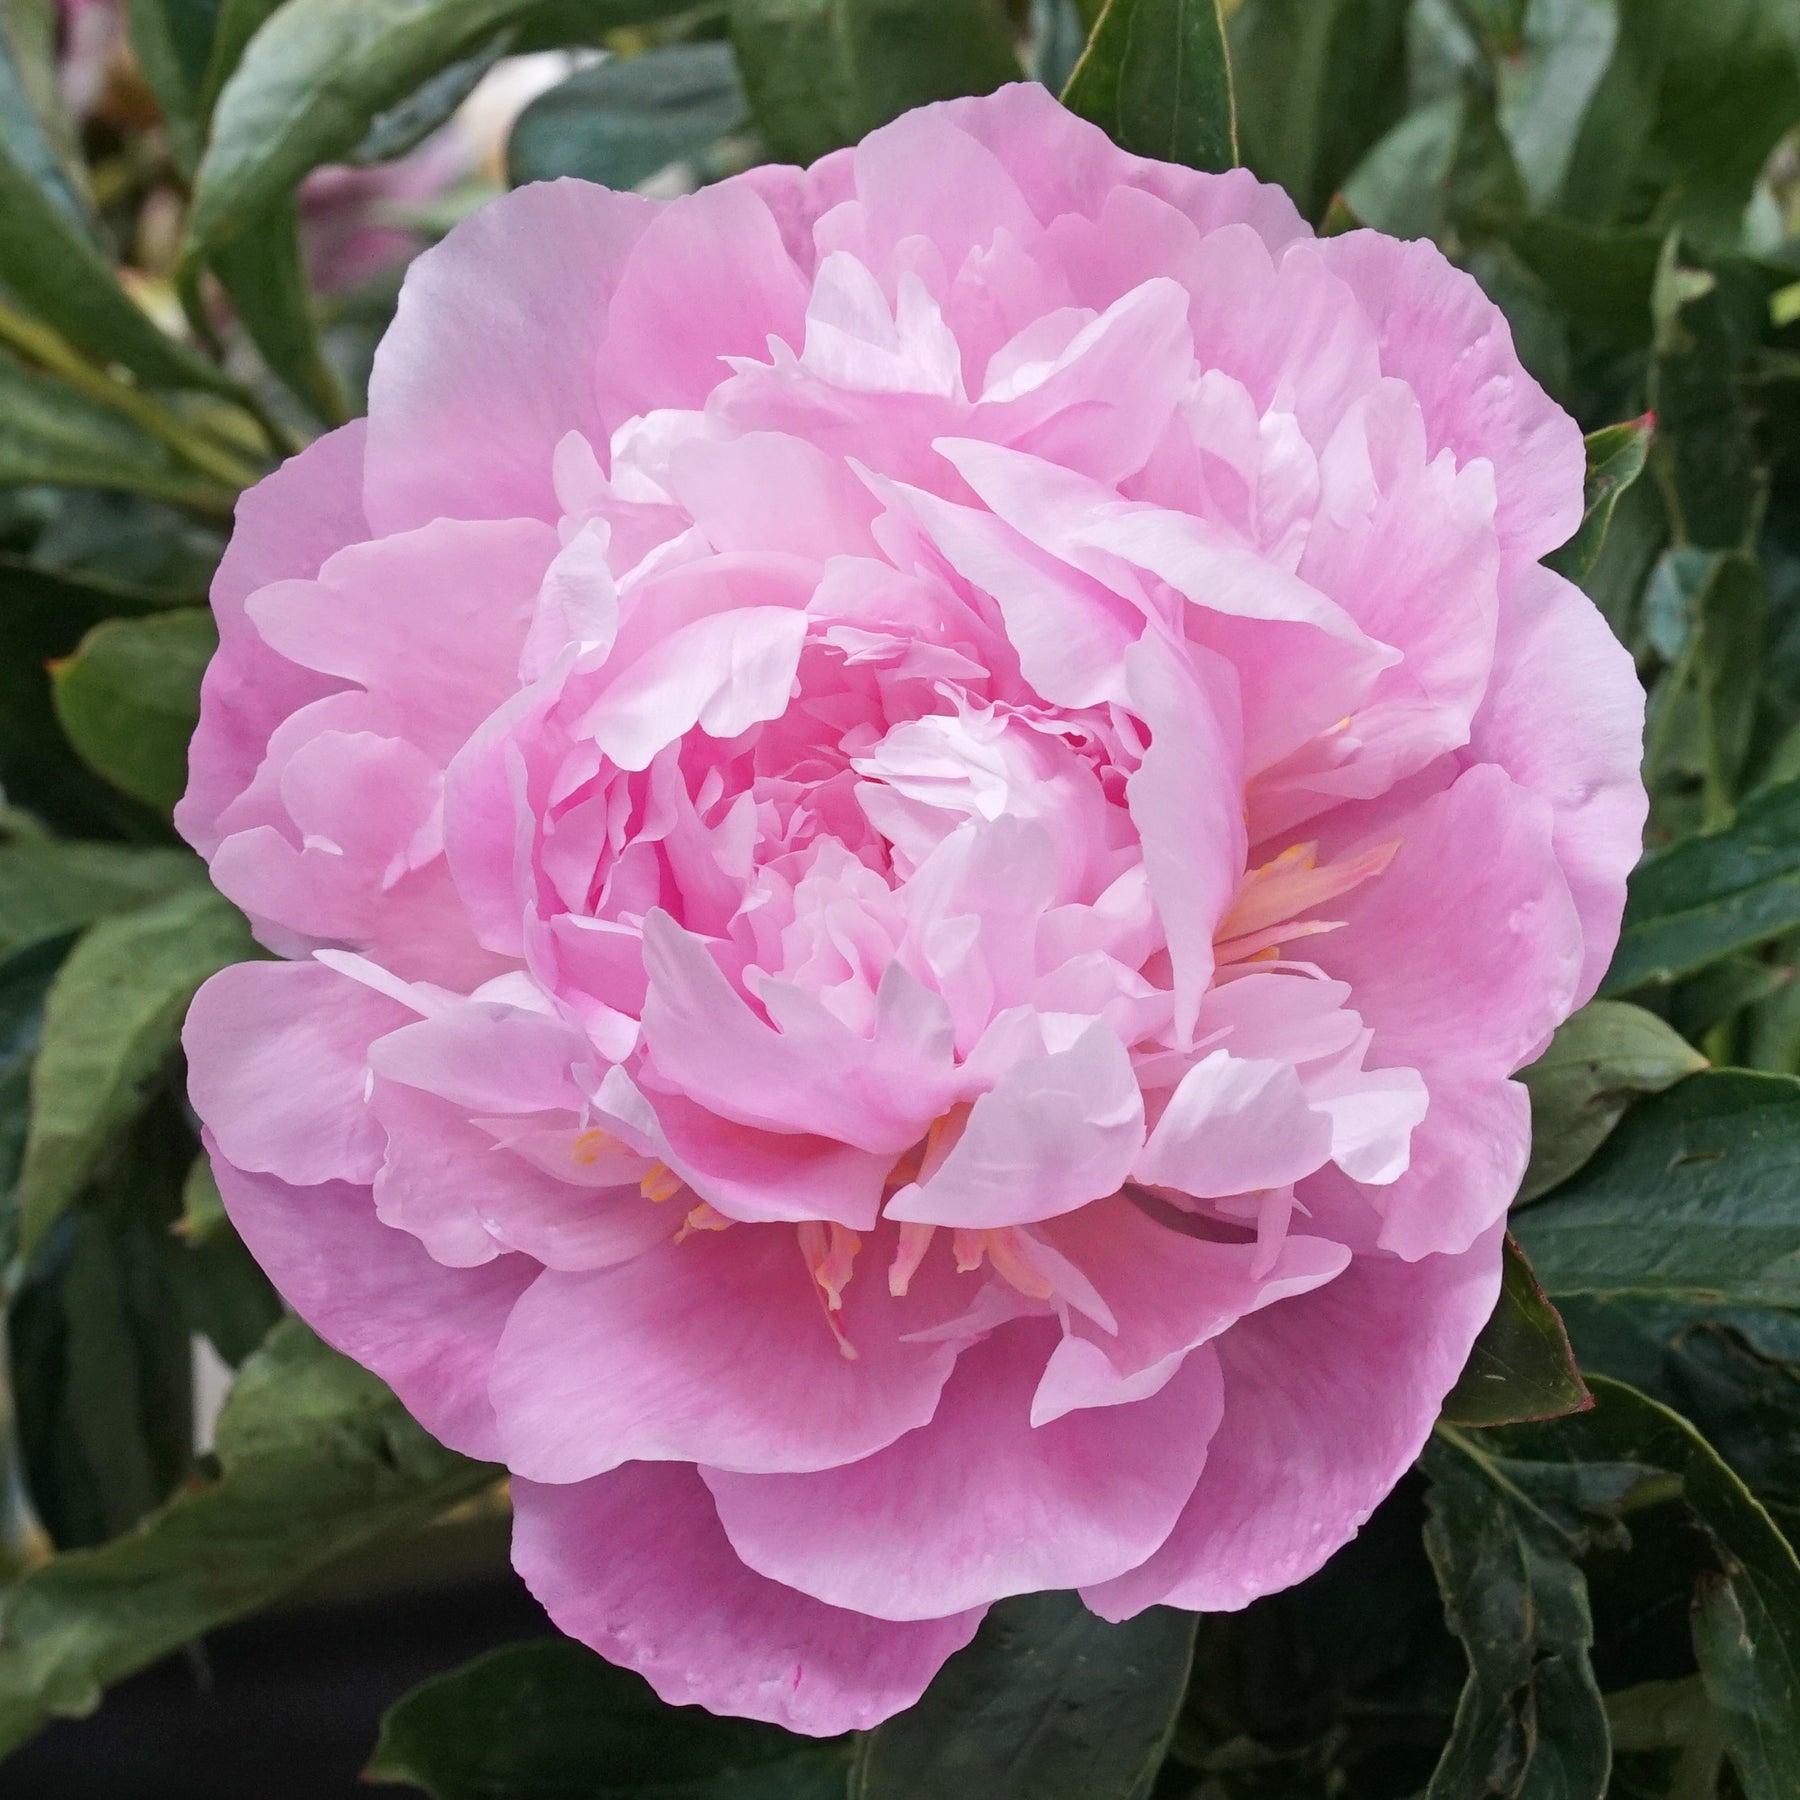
x=917 y=810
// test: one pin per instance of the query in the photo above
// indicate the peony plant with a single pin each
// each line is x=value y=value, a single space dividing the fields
x=915 y=813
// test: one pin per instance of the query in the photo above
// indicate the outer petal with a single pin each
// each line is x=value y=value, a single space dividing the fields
x=373 y=1293
x=287 y=525
x=981 y=1503
x=1564 y=716
x=494 y=355
x=636 y=1565
x=1443 y=337
x=715 y=1350
x=278 y=1057
x=1328 y=1399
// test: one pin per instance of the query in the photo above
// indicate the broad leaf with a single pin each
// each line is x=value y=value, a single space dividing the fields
x=1709 y=896
x=1505 y=1536
x=1317 y=82
x=1521 y=1366
x=101 y=1355
x=545 y=1721
x=113 y=1020
x=316 y=1459
x=1603 y=1058
x=622 y=120
x=262 y=271
x=1747 y=1617
x=42 y=618
x=1156 y=78
x=1691 y=1197
x=316 y=76
x=1048 y=1703
x=129 y=699
x=25 y=977
x=49 y=432
x=823 y=73
x=48 y=886
x=173 y=42
x=1615 y=459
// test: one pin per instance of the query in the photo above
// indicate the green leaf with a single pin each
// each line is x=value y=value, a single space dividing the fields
x=1600 y=1060
x=622 y=120
x=1615 y=459
x=1317 y=82
x=1156 y=78
x=314 y=78
x=43 y=617
x=1691 y=1197
x=545 y=1721
x=1544 y=82
x=429 y=106
x=25 y=977
x=1709 y=897
x=172 y=41
x=129 y=699
x=1048 y=1703
x=50 y=432
x=1504 y=1537
x=225 y=1296
x=263 y=272
x=823 y=73
x=49 y=886
x=113 y=1020
x=1521 y=1366
x=1747 y=1618
x=101 y=1357
x=317 y=1458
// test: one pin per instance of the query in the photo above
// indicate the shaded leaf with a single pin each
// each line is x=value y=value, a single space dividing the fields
x=622 y=120
x=1521 y=1366
x=1615 y=459
x=543 y=1721
x=1048 y=1703
x=43 y=617
x=823 y=73
x=1747 y=1617
x=100 y=1352
x=430 y=105
x=129 y=699
x=263 y=272
x=172 y=41
x=1600 y=1060
x=113 y=1020
x=50 y=886
x=1710 y=896
x=314 y=78
x=1692 y=1196
x=25 y=977
x=1316 y=83
x=1505 y=1536
x=316 y=1459
x=1544 y=81
x=49 y=432
x=1156 y=78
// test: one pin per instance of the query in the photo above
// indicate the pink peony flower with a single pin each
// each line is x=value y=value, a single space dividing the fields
x=918 y=809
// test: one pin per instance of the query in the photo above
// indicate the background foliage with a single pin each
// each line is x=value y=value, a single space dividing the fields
x=1587 y=1588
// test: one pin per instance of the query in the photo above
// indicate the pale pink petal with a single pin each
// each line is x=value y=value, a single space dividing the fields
x=906 y=1534
x=372 y=1292
x=1328 y=1399
x=1564 y=716
x=278 y=1057
x=717 y=1350
x=635 y=1564
x=535 y=269
x=1054 y=1132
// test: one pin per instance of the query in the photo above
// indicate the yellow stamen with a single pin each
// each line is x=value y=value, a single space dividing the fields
x=660 y=1183
x=703 y=1217
x=590 y=1146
